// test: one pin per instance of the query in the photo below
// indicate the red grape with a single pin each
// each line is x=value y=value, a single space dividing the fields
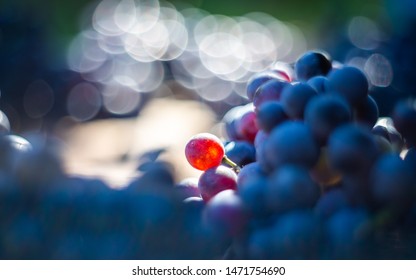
x=215 y=180
x=204 y=151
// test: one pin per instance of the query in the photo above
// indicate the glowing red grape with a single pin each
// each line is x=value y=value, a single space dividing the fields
x=204 y=151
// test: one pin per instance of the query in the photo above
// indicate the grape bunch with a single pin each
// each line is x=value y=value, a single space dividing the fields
x=309 y=169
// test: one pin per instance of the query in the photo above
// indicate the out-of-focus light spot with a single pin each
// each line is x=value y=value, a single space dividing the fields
x=357 y=61
x=222 y=53
x=38 y=99
x=240 y=89
x=125 y=15
x=4 y=123
x=379 y=70
x=130 y=42
x=364 y=33
x=120 y=100
x=103 y=19
x=84 y=54
x=215 y=90
x=84 y=102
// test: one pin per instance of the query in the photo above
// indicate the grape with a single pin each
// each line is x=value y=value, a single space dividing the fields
x=319 y=84
x=350 y=83
x=269 y=115
x=310 y=64
x=291 y=143
x=324 y=113
x=367 y=112
x=251 y=171
x=290 y=187
x=404 y=119
x=215 y=180
x=260 y=138
x=348 y=231
x=389 y=133
x=331 y=202
x=225 y=213
x=204 y=151
x=187 y=188
x=253 y=193
x=410 y=157
x=323 y=173
x=233 y=123
x=352 y=149
x=269 y=91
x=246 y=126
x=393 y=182
x=260 y=244
x=4 y=123
x=259 y=79
x=240 y=152
x=296 y=235
x=295 y=97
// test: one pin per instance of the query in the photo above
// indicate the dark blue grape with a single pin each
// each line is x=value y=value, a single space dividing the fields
x=225 y=213
x=297 y=235
x=291 y=143
x=253 y=194
x=295 y=97
x=269 y=91
x=393 y=182
x=258 y=80
x=319 y=83
x=367 y=112
x=324 y=113
x=348 y=232
x=410 y=158
x=290 y=187
x=389 y=133
x=404 y=119
x=249 y=172
x=240 y=152
x=352 y=149
x=331 y=202
x=310 y=64
x=350 y=83
x=269 y=115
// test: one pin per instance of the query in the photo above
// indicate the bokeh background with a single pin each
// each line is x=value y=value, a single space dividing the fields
x=114 y=79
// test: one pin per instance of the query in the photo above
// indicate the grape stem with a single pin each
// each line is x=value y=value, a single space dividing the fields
x=232 y=164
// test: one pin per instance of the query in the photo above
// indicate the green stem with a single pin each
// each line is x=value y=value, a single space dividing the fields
x=231 y=163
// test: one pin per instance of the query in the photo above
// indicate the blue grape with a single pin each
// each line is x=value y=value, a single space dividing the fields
x=393 y=182
x=331 y=202
x=324 y=113
x=404 y=120
x=319 y=83
x=352 y=149
x=295 y=97
x=367 y=112
x=269 y=115
x=291 y=143
x=258 y=80
x=240 y=152
x=347 y=233
x=312 y=63
x=290 y=187
x=350 y=83
x=269 y=91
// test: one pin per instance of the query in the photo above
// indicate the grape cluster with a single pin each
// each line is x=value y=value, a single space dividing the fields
x=322 y=175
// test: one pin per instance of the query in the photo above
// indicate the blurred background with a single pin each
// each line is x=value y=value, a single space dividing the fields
x=114 y=79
